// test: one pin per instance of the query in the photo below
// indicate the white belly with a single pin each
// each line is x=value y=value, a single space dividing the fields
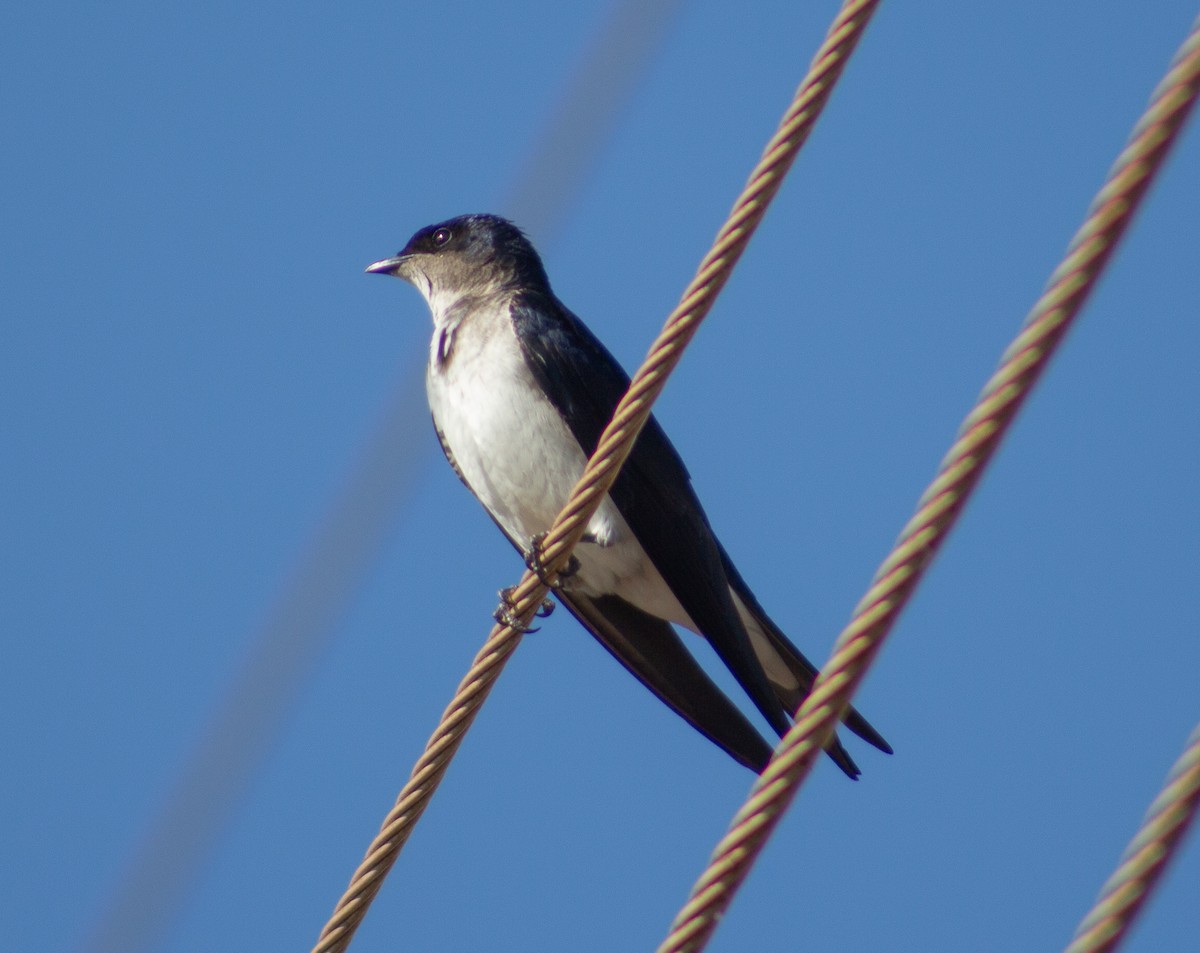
x=518 y=456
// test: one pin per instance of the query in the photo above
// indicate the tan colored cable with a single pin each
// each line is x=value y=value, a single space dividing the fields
x=1145 y=858
x=894 y=582
x=614 y=446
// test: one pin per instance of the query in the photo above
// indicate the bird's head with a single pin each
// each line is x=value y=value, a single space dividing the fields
x=468 y=255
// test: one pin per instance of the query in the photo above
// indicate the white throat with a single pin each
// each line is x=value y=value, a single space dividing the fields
x=448 y=310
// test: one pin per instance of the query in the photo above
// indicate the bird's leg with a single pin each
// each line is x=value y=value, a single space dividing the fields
x=504 y=612
x=533 y=560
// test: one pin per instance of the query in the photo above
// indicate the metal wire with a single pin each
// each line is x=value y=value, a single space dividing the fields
x=1146 y=857
x=426 y=775
x=614 y=446
x=937 y=509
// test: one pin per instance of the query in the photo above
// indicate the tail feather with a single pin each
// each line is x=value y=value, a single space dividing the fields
x=790 y=673
x=653 y=651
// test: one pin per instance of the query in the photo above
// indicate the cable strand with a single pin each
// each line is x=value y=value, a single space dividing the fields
x=1145 y=859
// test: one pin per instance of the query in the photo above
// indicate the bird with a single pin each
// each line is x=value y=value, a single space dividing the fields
x=520 y=391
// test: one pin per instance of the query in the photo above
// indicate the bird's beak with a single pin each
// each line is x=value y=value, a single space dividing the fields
x=387 y=266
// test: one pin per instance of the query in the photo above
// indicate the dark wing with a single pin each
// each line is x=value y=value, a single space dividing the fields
x=653 y=491
x=455 y=467
x=804 y=670
x=652 y=651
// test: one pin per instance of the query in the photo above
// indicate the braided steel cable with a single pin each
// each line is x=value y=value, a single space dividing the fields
x=1142 y=865
x=615 y=444
x=940 y=505
x=426 y=775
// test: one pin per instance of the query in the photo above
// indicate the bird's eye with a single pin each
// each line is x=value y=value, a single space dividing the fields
x=441 y=236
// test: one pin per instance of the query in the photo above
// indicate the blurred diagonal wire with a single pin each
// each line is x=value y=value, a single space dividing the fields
x=586 y=115
x=282 y=654
x=284 y=651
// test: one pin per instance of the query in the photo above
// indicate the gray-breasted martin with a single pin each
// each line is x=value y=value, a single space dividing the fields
x=520 y=392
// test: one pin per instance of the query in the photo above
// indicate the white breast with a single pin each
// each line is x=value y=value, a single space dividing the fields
x=510 y=444
x=516 y=453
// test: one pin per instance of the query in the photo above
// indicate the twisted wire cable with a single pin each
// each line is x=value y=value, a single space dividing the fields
x=1146 y=857
x=615 y=444
x=940 y=505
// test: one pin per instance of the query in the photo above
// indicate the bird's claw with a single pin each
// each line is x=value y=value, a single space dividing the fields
x=533 y=560
x=505 y=616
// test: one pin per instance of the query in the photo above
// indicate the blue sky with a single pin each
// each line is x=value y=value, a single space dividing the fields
x=194 y=361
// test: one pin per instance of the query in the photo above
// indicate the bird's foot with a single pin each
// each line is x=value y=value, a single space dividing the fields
x=505 y=616
x=533 y=560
